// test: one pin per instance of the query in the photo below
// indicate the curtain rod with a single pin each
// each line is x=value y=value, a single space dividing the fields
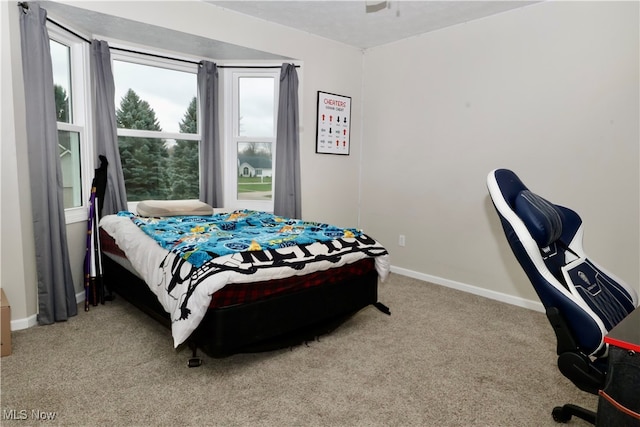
x=192 y=62
x=25 y=5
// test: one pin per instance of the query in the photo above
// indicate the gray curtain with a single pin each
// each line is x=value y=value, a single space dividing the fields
x=104 y=123
x=56 y=294
x=211 y=184
x=286 y=200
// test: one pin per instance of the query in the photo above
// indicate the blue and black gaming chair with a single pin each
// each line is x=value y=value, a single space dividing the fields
x=582 y=301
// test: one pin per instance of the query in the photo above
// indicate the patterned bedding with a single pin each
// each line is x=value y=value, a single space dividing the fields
x=199 y=239
x=185 y=260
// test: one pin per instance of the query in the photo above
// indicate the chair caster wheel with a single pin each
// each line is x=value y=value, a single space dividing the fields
x=560 y=415
x=194 y=362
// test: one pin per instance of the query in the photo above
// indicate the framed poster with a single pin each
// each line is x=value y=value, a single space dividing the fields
x=333 y=123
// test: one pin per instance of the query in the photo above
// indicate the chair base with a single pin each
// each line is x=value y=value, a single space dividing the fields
x=562 y=414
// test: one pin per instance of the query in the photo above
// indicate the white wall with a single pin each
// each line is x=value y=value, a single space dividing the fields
x=18 y=275
x=329 y=183
x=550 y=91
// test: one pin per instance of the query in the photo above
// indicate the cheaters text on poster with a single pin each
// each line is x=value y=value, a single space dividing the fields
x=333 y=123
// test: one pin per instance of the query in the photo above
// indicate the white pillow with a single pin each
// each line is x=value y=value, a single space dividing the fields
x=173 y=208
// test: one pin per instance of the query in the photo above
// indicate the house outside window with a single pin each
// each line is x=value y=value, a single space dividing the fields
x=250 y=135
x=157 y=125
x=69 y=60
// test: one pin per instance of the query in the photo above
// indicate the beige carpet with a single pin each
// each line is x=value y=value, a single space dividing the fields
x=443 y=358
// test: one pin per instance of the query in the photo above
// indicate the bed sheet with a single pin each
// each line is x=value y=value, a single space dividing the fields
x=185 y=291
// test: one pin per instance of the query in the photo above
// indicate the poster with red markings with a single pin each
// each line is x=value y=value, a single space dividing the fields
x=333 y=123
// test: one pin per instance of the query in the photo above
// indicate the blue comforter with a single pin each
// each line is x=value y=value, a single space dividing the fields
x=198 y=239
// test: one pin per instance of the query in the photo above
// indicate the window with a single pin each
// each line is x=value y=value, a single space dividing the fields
x=69 y=65
x=158 y=131
x=252 y=99
x=157 y=120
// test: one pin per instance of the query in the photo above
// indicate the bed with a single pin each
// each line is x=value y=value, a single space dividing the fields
x=241 y=281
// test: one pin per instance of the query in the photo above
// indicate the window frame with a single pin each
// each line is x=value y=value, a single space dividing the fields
x=166 y=63
x=82 y=116
x=231 y=112
x=81 y=113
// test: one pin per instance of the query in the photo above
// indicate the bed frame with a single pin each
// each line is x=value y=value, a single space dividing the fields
x=277 y=322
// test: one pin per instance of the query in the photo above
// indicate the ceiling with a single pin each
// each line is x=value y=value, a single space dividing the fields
x=94 y=24
x=346 y=21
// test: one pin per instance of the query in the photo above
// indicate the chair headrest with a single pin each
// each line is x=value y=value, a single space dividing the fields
x=542 y=218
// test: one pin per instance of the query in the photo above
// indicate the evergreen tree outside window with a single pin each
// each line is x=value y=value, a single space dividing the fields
x=144 y=160
x=183 y=171
x=158 y=138
x=68 y=57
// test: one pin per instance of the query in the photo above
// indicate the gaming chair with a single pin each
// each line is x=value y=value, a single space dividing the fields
x=582 y=300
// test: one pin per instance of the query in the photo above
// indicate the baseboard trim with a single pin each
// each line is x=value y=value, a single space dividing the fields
x=32 y=320
x=487 y=293
x=24 y=323
x=80 y=296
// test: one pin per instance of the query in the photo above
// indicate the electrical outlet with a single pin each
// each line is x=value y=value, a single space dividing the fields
x=401 y=240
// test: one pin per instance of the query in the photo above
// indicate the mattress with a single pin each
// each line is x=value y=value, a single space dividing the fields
x=187 y=292
x=244 y=293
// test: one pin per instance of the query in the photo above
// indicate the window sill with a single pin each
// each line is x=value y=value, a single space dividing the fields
x=74 y=215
